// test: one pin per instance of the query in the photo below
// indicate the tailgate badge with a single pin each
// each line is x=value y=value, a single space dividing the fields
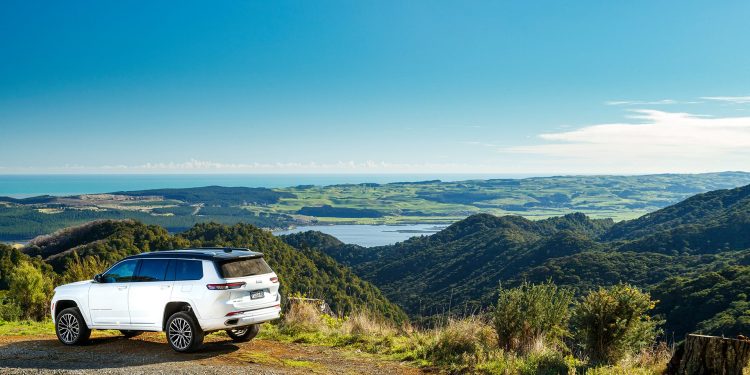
x=258 y=281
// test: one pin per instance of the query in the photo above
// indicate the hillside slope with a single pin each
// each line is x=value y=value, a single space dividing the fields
x=705 y=223
x=307 y=271
x=460 y=268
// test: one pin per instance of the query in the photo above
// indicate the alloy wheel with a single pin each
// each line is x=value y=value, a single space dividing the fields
x=239 y=331
x=69 y=328
x=180 y=333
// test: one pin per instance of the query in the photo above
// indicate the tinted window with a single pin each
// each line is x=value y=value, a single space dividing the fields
x=152 y=270
x=245 y=267
x=122 y=272
x=188 y=270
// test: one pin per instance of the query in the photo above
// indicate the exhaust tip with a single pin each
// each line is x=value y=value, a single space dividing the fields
x=231 y=322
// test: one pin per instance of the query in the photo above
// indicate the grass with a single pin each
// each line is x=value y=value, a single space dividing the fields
x=33 y=328
x=466 y=345
x=26 y=328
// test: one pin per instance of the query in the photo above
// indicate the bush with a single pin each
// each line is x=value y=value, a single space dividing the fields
x=302 y=317
x=31 y=290
x=527 y=316
x=9 y=309
x=463 y=344
x=613 y=322
x=366 y=324
x=83 y=269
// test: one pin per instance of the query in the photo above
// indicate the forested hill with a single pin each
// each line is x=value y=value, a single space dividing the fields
x=305 y=271
x=692 y=256
x=710 y=222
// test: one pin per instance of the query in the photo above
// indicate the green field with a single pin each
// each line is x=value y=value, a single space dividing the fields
x=616 y=197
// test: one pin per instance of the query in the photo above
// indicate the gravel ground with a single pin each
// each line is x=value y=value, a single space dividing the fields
x=150 y=354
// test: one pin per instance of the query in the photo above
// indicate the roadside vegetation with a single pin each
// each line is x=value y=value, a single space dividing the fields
x=533 y=329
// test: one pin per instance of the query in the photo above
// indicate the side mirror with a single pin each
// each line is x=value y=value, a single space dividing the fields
x=98 y=278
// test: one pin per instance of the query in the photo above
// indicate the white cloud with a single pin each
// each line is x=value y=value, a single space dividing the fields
x=208 y=167
x=655 y=142
x=641 y=102
x=729 y=99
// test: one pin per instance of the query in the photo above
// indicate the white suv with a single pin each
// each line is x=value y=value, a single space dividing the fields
x=186 y=293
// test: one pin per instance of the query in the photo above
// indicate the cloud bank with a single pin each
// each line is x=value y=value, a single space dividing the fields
x=653 y=141
x=729 y=99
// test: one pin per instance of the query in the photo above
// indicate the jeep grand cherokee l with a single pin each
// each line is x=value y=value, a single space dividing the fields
x=185 y=293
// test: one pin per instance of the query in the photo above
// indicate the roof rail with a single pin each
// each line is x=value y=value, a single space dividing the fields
x=225 y=249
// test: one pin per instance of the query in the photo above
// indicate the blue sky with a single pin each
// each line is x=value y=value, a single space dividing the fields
x=374 y=87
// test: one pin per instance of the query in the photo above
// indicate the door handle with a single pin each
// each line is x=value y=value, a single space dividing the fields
x=122 y=287
x=166 y=286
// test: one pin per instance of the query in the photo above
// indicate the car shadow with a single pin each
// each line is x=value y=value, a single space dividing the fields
x=102 y=353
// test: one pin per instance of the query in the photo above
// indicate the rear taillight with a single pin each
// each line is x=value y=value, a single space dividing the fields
x=274 y=280
x=225 y=286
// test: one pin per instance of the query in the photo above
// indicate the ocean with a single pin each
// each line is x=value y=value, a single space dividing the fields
x=22 y=186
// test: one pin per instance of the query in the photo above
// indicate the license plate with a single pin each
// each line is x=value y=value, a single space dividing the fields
x=256 y=294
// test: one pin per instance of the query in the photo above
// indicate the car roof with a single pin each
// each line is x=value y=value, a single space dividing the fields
x=203 y=253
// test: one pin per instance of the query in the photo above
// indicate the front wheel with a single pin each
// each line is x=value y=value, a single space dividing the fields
x=70 y=327
x=183 y=332
x=243 y=334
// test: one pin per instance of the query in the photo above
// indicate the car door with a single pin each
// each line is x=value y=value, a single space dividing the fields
x=108 y=299
x=150 y=292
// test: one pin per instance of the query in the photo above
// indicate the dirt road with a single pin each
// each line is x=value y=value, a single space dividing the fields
x=149 y=353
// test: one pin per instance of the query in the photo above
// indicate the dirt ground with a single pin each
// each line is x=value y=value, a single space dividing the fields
x=150 y=354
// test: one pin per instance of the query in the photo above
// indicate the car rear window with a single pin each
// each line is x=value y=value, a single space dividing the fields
x=245 y=267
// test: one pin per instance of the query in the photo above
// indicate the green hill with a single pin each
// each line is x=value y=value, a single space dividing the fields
x=306 y=271
x=690 y=254
x=215 y=195
x=705 y=223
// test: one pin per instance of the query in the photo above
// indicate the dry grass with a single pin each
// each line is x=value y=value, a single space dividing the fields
x=303 y=317
x=467 y=345
x=463 y=342
x=364 y=323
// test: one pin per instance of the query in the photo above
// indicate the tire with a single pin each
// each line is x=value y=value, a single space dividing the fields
x=70 y=327
x=129 y=333
x=243 y=334
x=183 y=332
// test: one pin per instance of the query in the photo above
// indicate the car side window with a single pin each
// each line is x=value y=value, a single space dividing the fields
x=121 y=273
x=152 y=270
x=188 y=270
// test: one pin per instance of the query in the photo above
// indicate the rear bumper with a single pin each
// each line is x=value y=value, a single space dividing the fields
x=247 y=318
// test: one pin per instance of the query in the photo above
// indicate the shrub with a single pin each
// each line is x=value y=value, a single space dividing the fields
x=527 y=316
x=612 y=322
x=31 y=290
x=83 y=269
x=9 y=309
x=462 y=344
x=367 y=324
x=302 y=317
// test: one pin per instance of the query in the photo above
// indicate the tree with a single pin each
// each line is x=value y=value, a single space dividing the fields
x=611 y=322
x=83 y=269
x=31 y=290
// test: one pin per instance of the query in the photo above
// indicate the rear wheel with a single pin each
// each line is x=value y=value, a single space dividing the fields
x=243 y=334
x=70 y=327
x=129 y=333
x=183 y=332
